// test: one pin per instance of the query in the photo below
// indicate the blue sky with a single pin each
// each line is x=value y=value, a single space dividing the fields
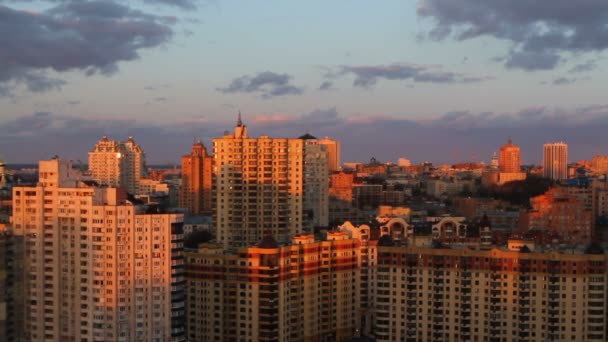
x=439 y=80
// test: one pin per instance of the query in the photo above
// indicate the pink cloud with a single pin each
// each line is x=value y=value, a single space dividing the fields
x=276 y=118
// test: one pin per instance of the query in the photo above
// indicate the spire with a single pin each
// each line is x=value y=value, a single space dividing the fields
x=510 y=142
x=239 y=122
x=240 y=131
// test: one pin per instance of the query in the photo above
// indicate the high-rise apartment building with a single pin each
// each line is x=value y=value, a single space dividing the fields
x=555 y=160
x=115 y=164
x=259 y=187
x=305 y=291
x=509 y=158
x=333 y=150
x=442 y=294
x=96 y=267
x=316 y=183
x=197 y=173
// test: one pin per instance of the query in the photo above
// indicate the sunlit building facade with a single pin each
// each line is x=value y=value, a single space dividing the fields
x=333 y=150
x=197 y=172
x=306 y=291
x=439 y=294
x=96 y=267
x=510 y=159
x=258 y=188
x=562 y=211
x=117 y=164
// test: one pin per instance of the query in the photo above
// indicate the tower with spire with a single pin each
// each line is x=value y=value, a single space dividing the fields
x=240 y=130
x=259 y=187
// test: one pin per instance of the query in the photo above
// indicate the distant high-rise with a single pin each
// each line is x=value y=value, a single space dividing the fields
x=2 y=174
x=555 y=160
x=97 y=267
x=197 y=173
x=114 y=163
x=258 y=188
x=333 y=150
x=509 y=159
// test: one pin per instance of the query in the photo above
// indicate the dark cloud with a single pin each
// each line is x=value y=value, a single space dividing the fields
x=89 y=36
x=12 y=77
x=326 y=85
x=584 y=67
x=184 y=4
x=542 y=30
x=563 y=81
x=267 y=84
x=368 y=76
x=531 y=60
x=463 y=133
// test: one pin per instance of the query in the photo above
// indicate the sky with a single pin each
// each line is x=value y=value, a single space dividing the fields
x=429 y=80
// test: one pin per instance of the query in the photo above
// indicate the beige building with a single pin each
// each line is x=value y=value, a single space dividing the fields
x=118 y=164
x=333 y=150
x=197 y=180
x=305 y=291
x=259 y=188
x=426 y=294
x=96 y=267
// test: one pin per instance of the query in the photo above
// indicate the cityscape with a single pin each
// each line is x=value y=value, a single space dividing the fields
x=198 y=170
x=276 y=239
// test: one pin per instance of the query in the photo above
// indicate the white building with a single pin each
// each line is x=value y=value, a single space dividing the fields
x=114 y=163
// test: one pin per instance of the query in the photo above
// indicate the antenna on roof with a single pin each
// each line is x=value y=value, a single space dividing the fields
x=239 y=122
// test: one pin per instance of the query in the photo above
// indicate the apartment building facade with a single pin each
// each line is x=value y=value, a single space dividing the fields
x=96 y=267
x=115 y=163
x=258 y=188
x=439 y=294
x=305 y=291
x=197 y=177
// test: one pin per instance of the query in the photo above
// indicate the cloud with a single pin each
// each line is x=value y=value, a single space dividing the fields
x=87 y=36
x=531 y=60
x=438 y=139
x=542 y=30
x=326 y=85
x=563 y=81
x=584 y=67
x=368 y=76
x=184 y=4
x=12 y=77
x=267 y=84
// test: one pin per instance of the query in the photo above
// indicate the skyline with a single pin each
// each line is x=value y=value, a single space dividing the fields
x=442 y=82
